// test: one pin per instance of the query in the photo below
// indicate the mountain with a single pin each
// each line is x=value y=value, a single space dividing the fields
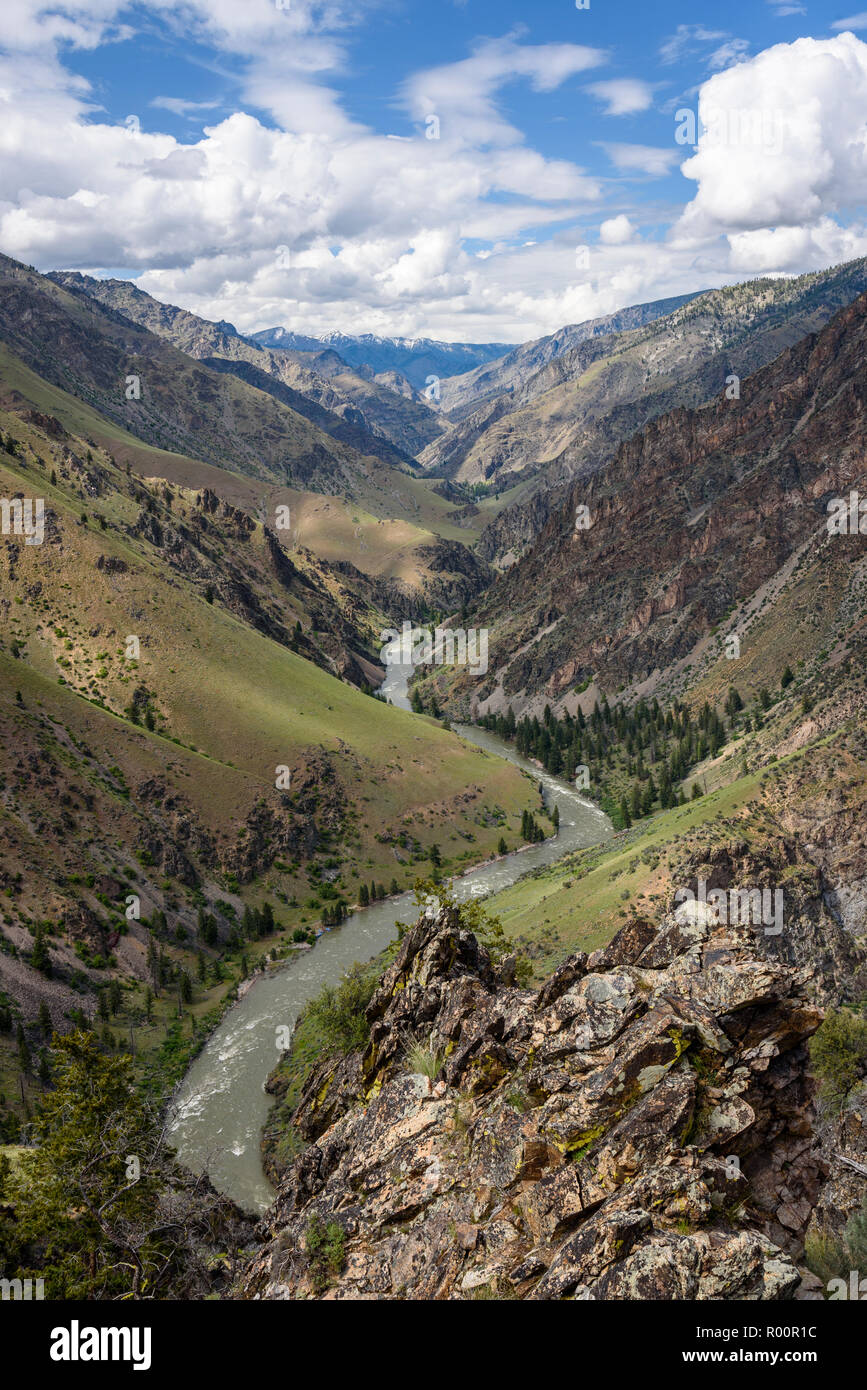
x=707 y=522
x=567 y=417
x=352 y=409
x=230 y=427
x=413 y=358
x=144 y=384
x=182 y=701
x=509 y=373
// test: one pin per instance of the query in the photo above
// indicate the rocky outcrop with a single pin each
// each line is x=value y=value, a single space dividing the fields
x=456 y=574
x=639 y=1128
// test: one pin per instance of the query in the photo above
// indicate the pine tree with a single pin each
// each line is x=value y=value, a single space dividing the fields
x=115 y=997
x=40 y=959
x=23 y=1049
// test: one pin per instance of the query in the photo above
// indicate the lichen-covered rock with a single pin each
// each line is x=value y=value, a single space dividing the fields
x=639 y=1128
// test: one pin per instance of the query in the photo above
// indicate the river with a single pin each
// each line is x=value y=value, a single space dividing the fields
x=221 y=1105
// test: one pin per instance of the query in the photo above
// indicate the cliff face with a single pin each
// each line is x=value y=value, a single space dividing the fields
x=692 y=517
x=642 y=1127
x=559 y=407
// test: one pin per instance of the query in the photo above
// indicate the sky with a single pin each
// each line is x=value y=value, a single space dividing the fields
x=469 y=170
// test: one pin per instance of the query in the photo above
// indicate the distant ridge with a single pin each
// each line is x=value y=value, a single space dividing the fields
x=414 y=358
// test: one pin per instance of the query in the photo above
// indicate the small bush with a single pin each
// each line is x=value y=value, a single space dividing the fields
x=825 y=1256
x=326 y=1246
x=830 y=1257
x=339 y=1009
x=838 y=1051
x=855 y=1236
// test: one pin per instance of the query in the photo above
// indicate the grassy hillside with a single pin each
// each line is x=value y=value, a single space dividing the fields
x=155 y=773
x=384 y=529
x=579 y=903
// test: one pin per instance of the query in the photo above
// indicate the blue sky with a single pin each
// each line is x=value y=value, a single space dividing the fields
x=269 y=163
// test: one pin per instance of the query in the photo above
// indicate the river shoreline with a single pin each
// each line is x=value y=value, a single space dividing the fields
x=220 y=1107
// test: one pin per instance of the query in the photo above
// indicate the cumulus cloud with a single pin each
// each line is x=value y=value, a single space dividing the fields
x=614 y=231
x=289 y=211
x=328 y=227
x=781 y=148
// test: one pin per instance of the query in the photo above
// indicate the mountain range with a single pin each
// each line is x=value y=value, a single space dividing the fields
x=707 y=523
x=413 y=359
x=637 y=513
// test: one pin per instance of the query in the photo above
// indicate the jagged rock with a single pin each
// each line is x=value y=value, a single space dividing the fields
x=639 y=1128
x=81 y=924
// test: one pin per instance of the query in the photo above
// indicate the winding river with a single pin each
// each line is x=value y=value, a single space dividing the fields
x=221 y=1105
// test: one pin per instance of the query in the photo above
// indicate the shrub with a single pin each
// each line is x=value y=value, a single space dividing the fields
x=831 y=1257
x=339 y=1010
x=838 y=1051
x=825 y=1256
x=326 y=1244
x=855 y=1236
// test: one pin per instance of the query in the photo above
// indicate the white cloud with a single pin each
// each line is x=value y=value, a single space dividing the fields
x=463 y=95
x=855 y=21
x=623 y=95
x=732 y=51
x=377 y=228
x=179 y=107
x=789 y=249
x=642 y=159
x=373 y=226
x=786 y=146
x=615 y=231
x=687 y=39
x=26 y=27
